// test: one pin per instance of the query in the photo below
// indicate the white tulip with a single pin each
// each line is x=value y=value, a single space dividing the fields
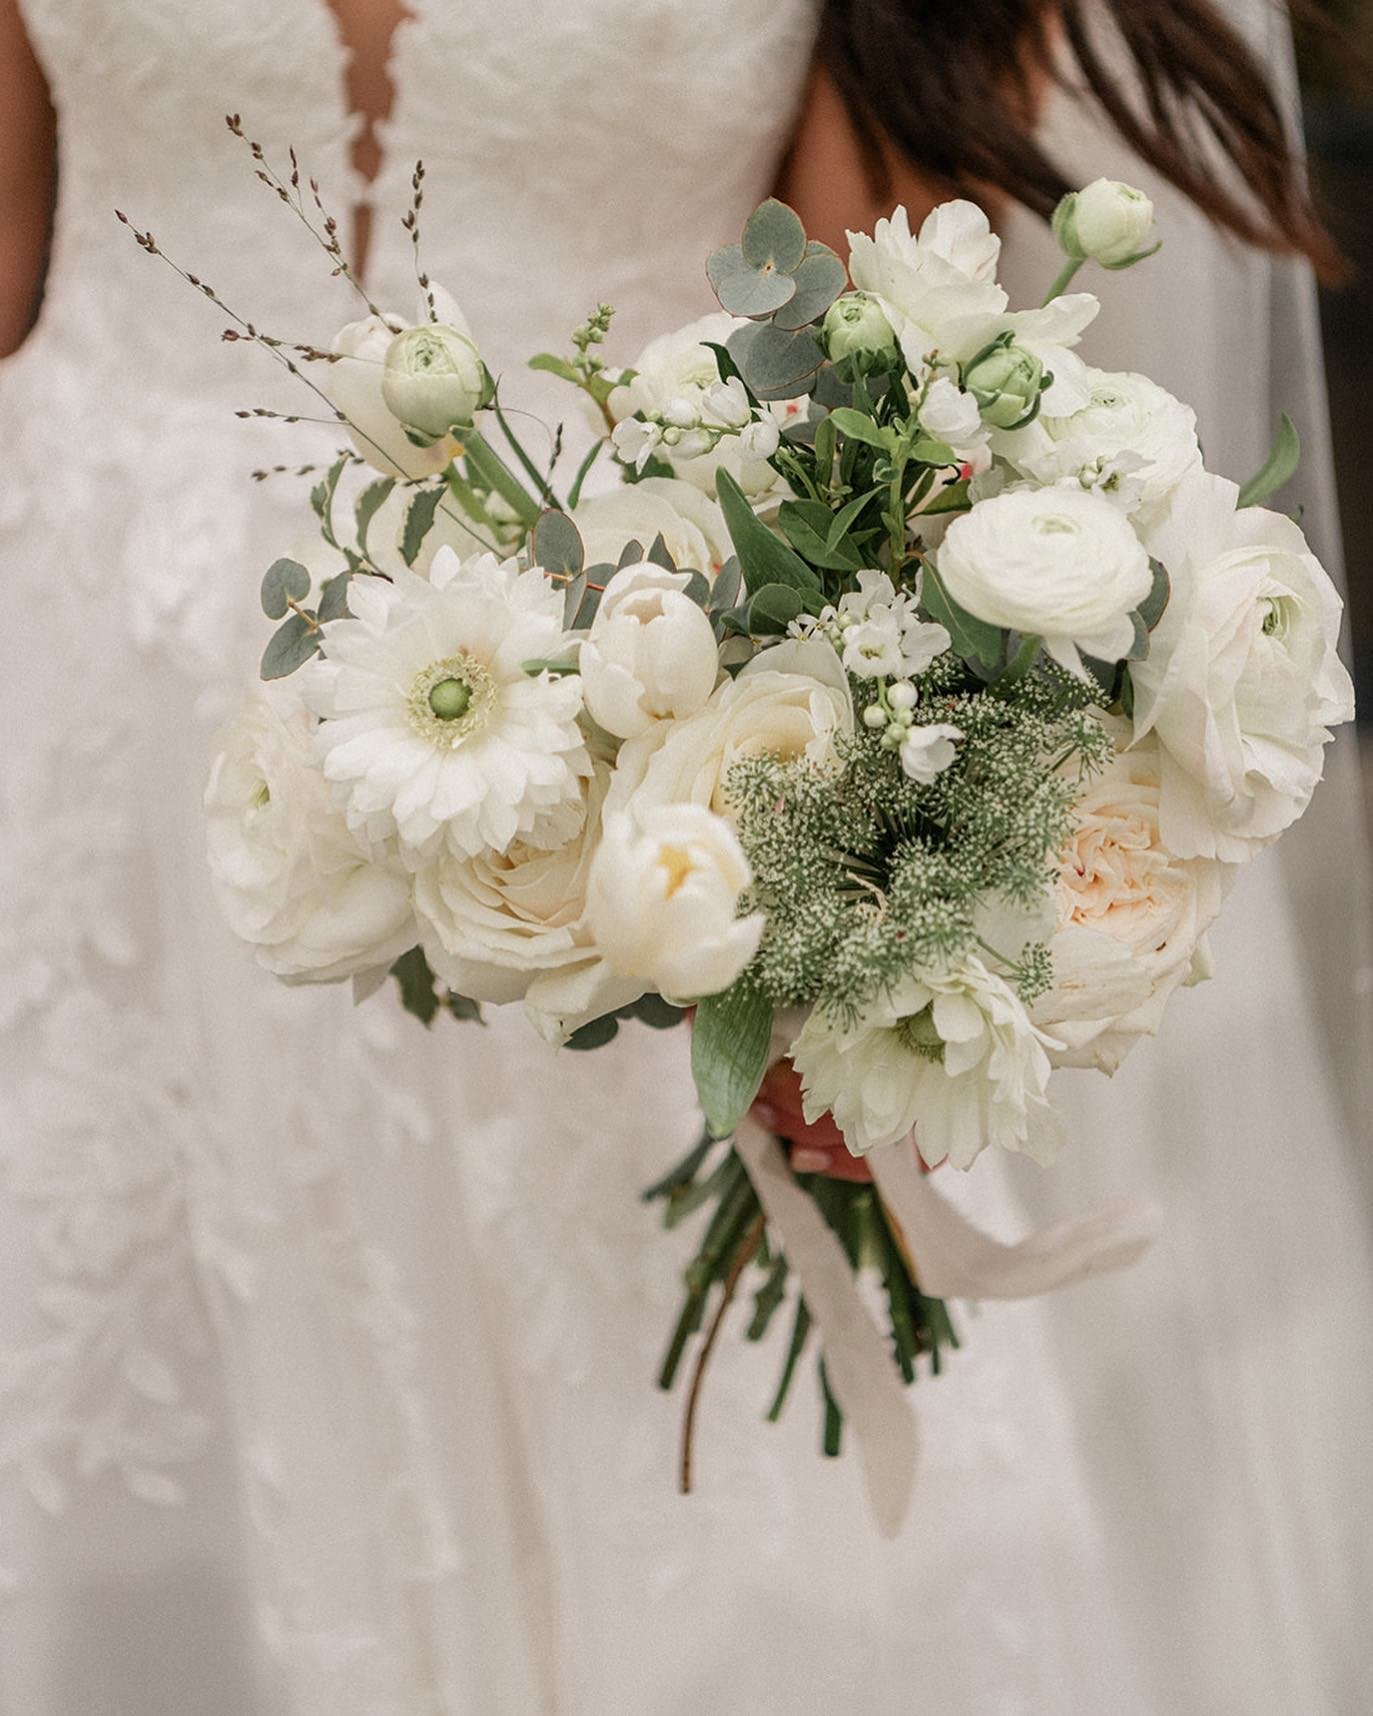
x=663 y=898
x=1058 y=564
x=651 y=655
x=1107 y=222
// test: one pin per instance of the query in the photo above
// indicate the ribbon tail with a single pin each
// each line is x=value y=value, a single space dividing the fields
x=861 y=1375
x=955 y=1260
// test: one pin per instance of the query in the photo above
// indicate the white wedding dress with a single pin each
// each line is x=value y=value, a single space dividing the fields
x=327 y=1346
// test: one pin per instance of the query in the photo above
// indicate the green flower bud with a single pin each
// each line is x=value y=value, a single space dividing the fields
x=857 y=323
x=434 y=379
x=1006 y=381
x=1105 y=222
x=450 y=699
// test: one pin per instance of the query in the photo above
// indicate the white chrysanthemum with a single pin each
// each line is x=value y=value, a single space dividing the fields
x=290 y=877
x=432 y=730
x=952 y=1055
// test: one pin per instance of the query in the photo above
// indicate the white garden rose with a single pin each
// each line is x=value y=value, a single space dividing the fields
x=1107 y=221
x=651 y=654
x=1131 y=440
x=952 y=1055
x=663 y=898
x=790 y=701
x=432 y=730
x=1058 y=564
x=690 y=523
x=1242 y=683
x=1132 y=916
x=291 y=879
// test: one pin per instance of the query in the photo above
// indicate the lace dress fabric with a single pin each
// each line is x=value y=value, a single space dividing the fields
x=326 y=1345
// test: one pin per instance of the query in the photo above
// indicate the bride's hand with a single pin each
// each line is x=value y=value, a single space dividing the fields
x=816 y=1148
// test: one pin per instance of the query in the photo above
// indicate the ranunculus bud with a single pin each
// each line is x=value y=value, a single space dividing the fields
x=663 y=898
x=857 y=323
x=1007 y=382
x=434 y=379
x=651 y=654
x=1106 y=222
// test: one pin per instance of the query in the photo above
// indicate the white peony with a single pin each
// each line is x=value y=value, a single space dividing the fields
x=790 y=701
x=663 y=898
x=1058 y=564
x=690 y=523
x=1131 y=440
x=1131 y=917
x=952 y=1055
x=432 y=730
x=1242 y=683
x=651 y=654
x=1106 y=221
x=289 y=876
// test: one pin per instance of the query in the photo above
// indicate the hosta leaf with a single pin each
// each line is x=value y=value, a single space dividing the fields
x=730 y=1039
x=557 y=543
x=819 y=281
x=284 y=582
x=774 y=237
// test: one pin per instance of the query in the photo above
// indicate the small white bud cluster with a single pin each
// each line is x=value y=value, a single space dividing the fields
x=689 y=428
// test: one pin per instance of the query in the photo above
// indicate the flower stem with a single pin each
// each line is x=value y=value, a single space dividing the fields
x=1065 y=279
x=752 y=1240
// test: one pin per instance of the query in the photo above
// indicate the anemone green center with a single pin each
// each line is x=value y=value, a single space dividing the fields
x=918 y=1033
x=450 y=699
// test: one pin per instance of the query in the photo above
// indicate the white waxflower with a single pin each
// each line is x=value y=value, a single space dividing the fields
x=1107 y=221
x=950 y=415
x=951 y=1054
x=432 y=730
x=651 y=654
x=1131 y=440
x=691 y=525
x=1242 y=683
x=927 y=751
x=1131 y=915
x=316 y=904
x=1058 y=564
x=663 y=897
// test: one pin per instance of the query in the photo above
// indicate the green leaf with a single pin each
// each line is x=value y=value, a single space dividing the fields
x=858 y=426
x=803 y=531
x=742 y=288
x=557 y=543
x=653 y=1011
x=1279 y=467
x=697 y=587
x=730 y=1040
x=630 y=555
x=366 y=507
x=333 y=597
x=595 y=1034
x=1140 y=647
x=659 y=555
x=819 y=280
x=845 y=518
x=764 y=558
x=1152 y=607
x=773 y=608
x=289 y=647
x=419 y=519
x=728 y=582
x=972 y=638
x=461 y=1007
x=774 y=238
x=953 y=497
x=417 y=993
x=284 y=582
x=322 y=497
x=572 y=600
x=729 y=370
x=776 y=364
x=554 y=365
x=937 y=453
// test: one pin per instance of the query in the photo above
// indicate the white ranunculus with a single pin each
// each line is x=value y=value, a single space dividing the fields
x=1049 y=336
x=791 y=700
x=291 y=879
x=951 y=1054
x=690 y=523
x=651 y=654
x=1131 y=440
x=927 y=751
x=1058 y=564
x=857 y=323
x=1106 y=221
x=663 y=898
x=432 y=731
x=1242 y=683
x=433 y=378
x=1131 y=916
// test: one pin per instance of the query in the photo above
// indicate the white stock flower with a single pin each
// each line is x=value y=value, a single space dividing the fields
x=1131 y=916
x=1058 y=564
x=1131 y=439
x=432 y=730
x=791 y=700
x=291 y=879
x=663 y=897
x=927 y=751
x=651 y=654
x=883 y=636
x=952 y=416
x=691 y=525
x=952 y=1054
x=1106 y=221
x=635 y=442
x=728 y=403
x=1242 y=682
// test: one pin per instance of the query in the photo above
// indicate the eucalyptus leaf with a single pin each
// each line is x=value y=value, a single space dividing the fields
x=365 y=509
x=572 y=599
x=557 y=543
x=774 y=237
x=284 y=582
x=660 y=555
x=595 y=1034
x=819 y=280
x=973 y=638
x=1151 y=609
x=1279 y=467
x=773 y=608
x=1140 y=647
x=858 y=426
x=745 y=290
x=322 y=497
x=697 y=588
x=764 y=558
x=289 y=646
x=728 y=582
x=419 y=519
x=333 y=597
x=776 y=364
x=653 y=1011
x=630 y=555
x=730 y=1041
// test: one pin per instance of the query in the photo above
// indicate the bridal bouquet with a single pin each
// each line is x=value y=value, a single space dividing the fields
x=900 y=713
